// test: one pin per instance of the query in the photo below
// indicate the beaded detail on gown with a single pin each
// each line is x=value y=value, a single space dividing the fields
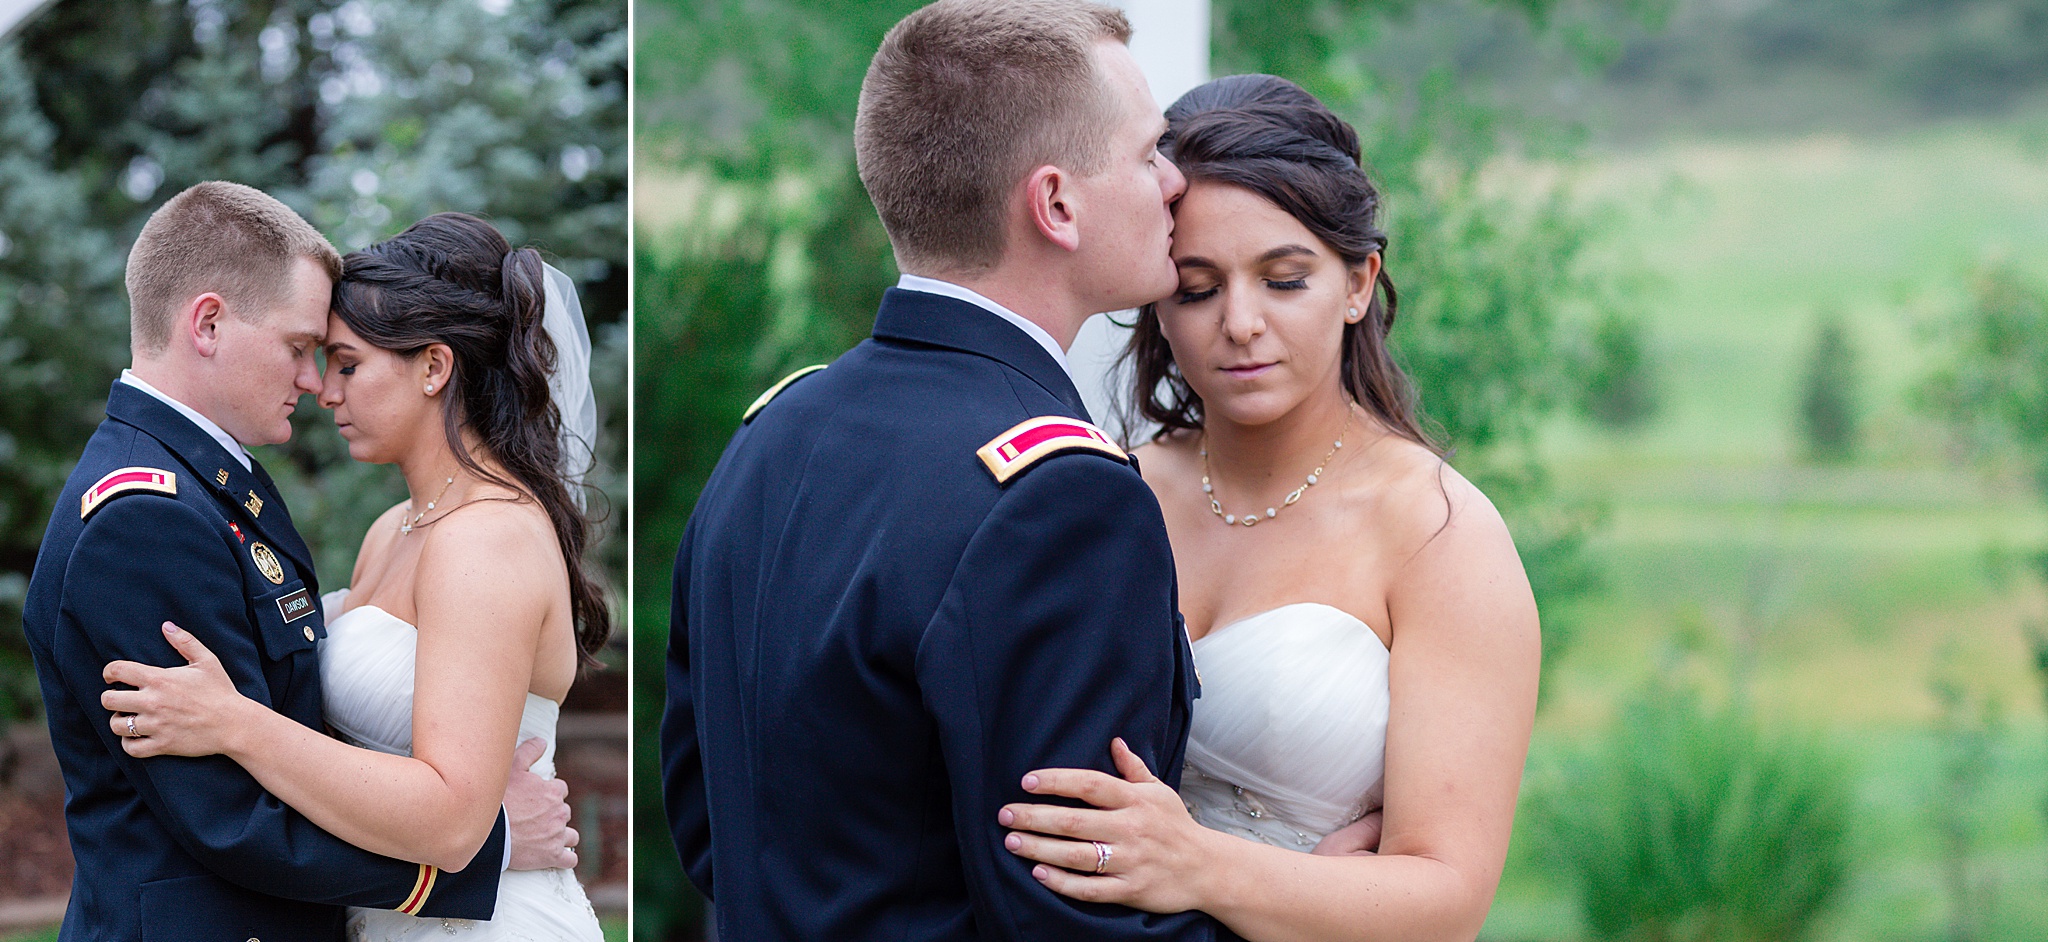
x=1288 y=741
x=366 y=679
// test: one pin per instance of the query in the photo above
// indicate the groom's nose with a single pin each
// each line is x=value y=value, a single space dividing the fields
x=308 y=378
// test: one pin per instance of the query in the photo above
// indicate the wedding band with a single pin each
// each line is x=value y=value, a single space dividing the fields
x=132 y=734
x=1102 y=855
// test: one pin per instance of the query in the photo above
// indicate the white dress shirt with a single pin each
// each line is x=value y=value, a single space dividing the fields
x=205 y=424
x=951 y=290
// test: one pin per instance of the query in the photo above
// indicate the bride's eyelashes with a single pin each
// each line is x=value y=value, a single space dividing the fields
x=1193 y=297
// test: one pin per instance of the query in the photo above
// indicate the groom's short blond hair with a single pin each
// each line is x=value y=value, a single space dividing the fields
x=233 y=240
x=962 y=100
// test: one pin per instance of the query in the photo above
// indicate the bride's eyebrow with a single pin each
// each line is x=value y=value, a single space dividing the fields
x=1195 y=261
x=338 y=346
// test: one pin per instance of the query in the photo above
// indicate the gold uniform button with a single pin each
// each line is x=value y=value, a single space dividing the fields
x=309 y=637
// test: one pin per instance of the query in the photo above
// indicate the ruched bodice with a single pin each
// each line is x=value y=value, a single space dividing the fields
x=1289 y=738
x=366 y=678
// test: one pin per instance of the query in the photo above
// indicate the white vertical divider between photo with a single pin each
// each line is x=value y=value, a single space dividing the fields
x=1170 y=40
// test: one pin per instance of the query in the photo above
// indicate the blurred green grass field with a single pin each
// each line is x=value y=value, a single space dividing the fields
x=1837 y=591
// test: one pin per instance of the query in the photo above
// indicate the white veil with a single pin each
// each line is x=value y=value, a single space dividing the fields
x=569 y=384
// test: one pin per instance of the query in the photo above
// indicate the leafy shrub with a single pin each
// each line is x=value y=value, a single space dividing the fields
x=1686 y=824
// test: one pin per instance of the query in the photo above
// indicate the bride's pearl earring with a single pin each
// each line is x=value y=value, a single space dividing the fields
x=1352 y=316
x=430 y=389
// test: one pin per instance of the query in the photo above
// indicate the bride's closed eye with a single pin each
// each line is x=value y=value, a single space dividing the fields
x=1191 y=296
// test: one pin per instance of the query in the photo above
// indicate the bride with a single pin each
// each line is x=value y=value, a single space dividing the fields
x=1365 y=633
x=466 y=364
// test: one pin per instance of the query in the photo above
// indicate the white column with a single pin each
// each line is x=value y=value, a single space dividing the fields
x=1170 y=40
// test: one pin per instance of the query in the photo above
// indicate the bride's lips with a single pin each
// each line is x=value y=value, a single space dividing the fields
x=1246 y=371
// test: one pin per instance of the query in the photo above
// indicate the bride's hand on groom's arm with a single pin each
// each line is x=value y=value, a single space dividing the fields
x=193 y=710
x=1158 y=857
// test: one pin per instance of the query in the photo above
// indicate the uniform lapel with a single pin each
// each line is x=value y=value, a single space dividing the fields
x=248 y=496
x=281 y=527
x=938 y=320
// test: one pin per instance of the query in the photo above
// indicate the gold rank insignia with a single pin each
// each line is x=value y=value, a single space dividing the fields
x=124 y=481
x=267 y=562
x=254 y=505
x=221 y=476
x=1032 y=440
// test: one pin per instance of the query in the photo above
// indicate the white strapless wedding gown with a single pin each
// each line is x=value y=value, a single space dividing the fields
x=1289 y=739
x=366 y=679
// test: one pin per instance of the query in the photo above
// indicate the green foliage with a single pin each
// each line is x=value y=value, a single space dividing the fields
x=1620 y=385
x=1830 y=399
x=63 y=335
x=362 y=115
x=1967 y=730
x=1687 y=824
x=1991 y=381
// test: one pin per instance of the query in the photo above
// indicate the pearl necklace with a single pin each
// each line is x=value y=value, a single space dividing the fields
x=1216 y=506
x=405 y=526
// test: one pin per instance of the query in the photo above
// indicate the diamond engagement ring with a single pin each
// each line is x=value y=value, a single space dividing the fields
x=132 y=734
x=1102 y=854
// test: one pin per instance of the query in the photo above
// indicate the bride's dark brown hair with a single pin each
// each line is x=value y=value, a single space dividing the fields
x=452 y=278
x=1267 y=135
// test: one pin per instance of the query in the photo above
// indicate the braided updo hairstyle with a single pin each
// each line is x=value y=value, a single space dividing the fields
x=452 y=278
x=1267 y=135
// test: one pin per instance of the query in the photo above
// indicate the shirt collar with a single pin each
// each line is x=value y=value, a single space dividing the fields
x=205 y=424
x=948 y=289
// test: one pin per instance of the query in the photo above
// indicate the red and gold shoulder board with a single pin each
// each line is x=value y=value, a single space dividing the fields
x=776 y=390
x=1032 y=440
x=124 y=481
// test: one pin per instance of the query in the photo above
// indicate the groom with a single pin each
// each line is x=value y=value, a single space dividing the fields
x=920 y=573
x=169 y=518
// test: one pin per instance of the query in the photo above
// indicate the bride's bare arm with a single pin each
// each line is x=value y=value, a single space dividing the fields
x=1463 y=699
x=482 y=591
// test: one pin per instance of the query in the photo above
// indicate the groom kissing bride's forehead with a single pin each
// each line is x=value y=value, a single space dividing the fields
x=921 y=573
x=168 y=518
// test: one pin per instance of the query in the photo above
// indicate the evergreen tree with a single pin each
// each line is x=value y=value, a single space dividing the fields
x=1620 y=385
x=1829 y=409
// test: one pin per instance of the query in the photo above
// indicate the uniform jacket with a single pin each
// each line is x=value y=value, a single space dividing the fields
x=873 y=641
x=172 y=847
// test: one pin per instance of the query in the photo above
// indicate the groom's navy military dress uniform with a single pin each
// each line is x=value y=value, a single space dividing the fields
x=896 y=596
x=158 y=522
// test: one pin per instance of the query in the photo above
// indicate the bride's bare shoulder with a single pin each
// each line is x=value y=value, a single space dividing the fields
x=1172 y=452
x=503 y=537
x=1418 y=497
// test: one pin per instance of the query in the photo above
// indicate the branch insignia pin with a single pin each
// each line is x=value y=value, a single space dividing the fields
x=266 y=561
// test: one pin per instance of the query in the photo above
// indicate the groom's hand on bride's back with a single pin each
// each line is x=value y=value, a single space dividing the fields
x=1360 y=837
x=537 y=814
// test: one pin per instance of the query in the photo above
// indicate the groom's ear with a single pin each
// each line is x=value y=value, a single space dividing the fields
x=1049 y=195
x=200 y=322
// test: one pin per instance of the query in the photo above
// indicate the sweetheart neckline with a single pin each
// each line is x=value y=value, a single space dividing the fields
x=416 y=629
x=1360 y=622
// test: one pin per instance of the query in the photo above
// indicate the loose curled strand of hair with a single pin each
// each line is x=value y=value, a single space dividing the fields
x=1265 y=134
x=452 y=278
